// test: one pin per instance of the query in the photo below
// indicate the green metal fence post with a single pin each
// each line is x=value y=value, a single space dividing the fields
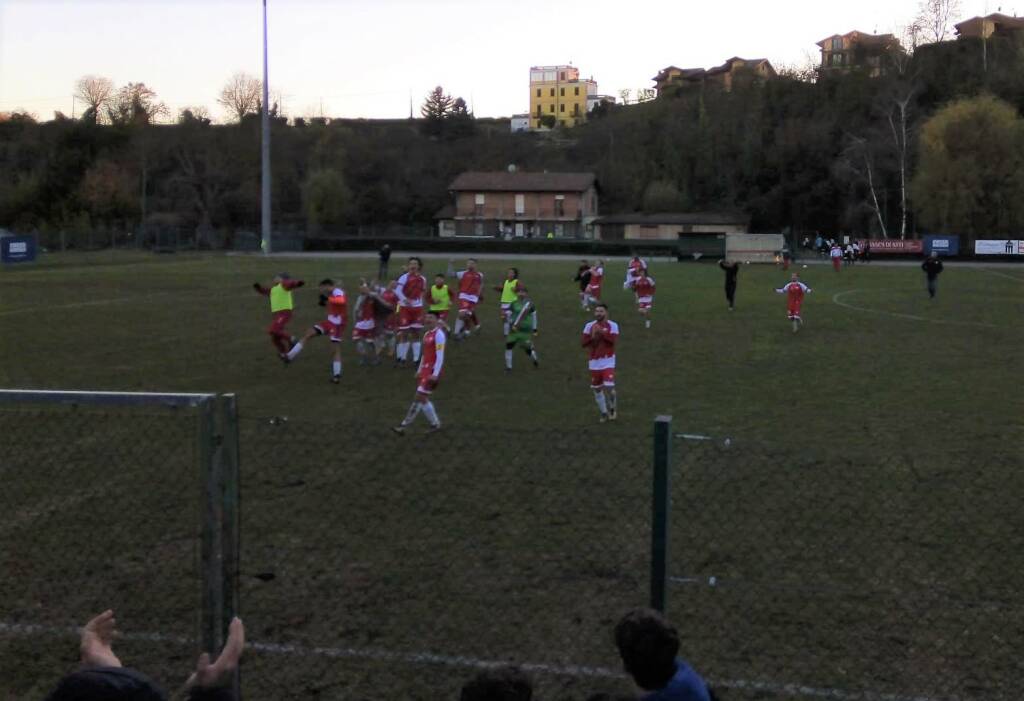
x=230 y=535
x=659 y=511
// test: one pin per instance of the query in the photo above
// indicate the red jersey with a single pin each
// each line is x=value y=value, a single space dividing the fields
x=470 y=284
x=366 y=313
x=411 y=290
x=601 y=348
x=644 y=287
x=432 y=360
x=795 y=291
x=337 y=306
x=596 y=276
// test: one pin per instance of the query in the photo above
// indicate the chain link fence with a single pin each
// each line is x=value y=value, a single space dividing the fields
x=108 y=503
x=384 y=566
x=827 y=574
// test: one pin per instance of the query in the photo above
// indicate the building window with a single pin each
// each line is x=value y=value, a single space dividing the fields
x=837 y=59
x=837 y=44
x=576 y=91
x=538 y=92
x=561 y=76
x=538 y=110
x=559 y=205
x=576 y=109
x=552 y=108
x=520 y=205
x=552 y=92
x=478 y=207
x=561 y=92
x=561 y=107
x=478 y=229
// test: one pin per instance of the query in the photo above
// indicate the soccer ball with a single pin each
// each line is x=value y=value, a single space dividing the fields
x=805 y=265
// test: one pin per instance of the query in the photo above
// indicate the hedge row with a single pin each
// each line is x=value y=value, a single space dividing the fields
x=474 y=245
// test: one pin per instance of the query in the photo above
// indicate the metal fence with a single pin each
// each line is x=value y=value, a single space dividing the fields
x=122 y=501
x=828 y=574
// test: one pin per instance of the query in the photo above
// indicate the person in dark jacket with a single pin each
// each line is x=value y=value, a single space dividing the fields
x=732 y=269
x=385 y=255
x=583 y=277
x=932 y=266
x=103 y=678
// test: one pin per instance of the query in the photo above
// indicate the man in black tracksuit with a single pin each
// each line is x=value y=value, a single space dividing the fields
x=932 y=266
x=731 y=268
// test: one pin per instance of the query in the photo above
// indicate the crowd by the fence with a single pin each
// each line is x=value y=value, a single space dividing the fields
x=647 y=643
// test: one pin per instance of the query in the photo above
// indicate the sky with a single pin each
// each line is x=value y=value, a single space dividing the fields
x=365 y=58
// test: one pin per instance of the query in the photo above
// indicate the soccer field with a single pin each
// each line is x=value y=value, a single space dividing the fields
x=862 y=527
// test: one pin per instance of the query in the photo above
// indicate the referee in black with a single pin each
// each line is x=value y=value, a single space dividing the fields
x=932 y=266
x=731 y=268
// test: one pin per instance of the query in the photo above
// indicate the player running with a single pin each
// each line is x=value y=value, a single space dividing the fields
x=440 y=298
x=732 y=269
x=795 y=291
x=471 y=285
x=427 y=376
x=524 y=328
x=411 y=289
x=281 y=305
x=583 y=277
x=508 y=296
x=635 y=266
x=643 y=288
x=593 y=292
x=332 y=296
x=836 y=253
x=599 y=337
x=367 y=333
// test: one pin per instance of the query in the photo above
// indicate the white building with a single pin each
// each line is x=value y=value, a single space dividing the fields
x=520 y=122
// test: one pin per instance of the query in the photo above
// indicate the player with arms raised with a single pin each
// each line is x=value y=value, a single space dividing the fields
x=281 y=306
x=471 y=285
x=411 y=289
x=332 y=296
x=643 y=287
x=599 y=338
x=523 y=328
x=427 y=376
x=795 y=291
x=593 y=292
x=635 y=266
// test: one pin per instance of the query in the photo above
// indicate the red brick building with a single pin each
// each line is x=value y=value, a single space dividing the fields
x=517 y=204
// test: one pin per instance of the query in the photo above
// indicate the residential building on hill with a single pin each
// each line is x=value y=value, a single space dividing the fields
x=858 y=50
x=734 y=70
x=559 y=96
x=670 y=225
x=985 y=27
x=520 y=122
x=520 y=204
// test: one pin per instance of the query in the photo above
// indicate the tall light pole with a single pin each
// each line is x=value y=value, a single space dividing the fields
x=265 y=200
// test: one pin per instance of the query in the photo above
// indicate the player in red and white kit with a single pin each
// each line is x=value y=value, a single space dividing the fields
x=366 y=332
x=427 y=377
x=599 y=338
x=411 y=289
x=643 y=287
x=836 y=253
x=471 y=286
x=387 y=318
x=795 y=291
x=332 y=296
x=635 y=266
x=592 y=294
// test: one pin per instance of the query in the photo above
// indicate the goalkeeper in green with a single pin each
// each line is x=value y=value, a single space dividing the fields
x=522 y=327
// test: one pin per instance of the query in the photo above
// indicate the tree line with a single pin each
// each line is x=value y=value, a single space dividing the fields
x=934 y=144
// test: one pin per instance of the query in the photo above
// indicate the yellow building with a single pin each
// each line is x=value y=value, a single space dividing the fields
x=558 y=96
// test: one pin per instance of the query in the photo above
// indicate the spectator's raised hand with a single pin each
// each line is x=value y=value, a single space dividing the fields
x=220 y=672
x=97 y=638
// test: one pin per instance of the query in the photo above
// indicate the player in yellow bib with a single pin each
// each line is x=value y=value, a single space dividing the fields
x=440 y=298
x=281 y=305
x=508 y=295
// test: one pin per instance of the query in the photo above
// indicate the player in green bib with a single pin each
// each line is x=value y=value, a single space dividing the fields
x=508 y=295
x=522 y=322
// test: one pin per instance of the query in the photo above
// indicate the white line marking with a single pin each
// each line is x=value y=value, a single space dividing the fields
x=459 y=661
x=1008 y=277
x=836 y=299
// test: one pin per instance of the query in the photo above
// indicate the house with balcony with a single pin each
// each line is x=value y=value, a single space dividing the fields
x=872 y=53
x=672 y=78
x=734 y=71
x=558 y=96
x=989 y=25
x=517 y=204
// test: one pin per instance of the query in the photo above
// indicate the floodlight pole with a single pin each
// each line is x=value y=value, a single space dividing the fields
x=265 y=244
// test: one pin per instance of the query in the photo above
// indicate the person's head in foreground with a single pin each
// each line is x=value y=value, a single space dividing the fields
x=649 y=645
x=500 y=684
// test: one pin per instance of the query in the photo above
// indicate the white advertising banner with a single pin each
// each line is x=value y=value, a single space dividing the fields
x=1000 y=247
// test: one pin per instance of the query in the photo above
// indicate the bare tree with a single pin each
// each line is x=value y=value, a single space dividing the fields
x=95 y=92
x=935 y=18
x=241 y=95
x=194 y=113
x=858 y=160
x=624 y=95
x=897 y=116
x=134 y=103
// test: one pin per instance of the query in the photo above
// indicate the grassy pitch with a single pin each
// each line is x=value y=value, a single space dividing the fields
x=861 y=528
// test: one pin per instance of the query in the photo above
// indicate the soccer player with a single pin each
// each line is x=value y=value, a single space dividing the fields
x=281 y=305
x=440 y=298
x=471 y=285
x=583 y=277
x=366 y=333
x=635 y=266
x=599 y=337
x=795 y=291
x=732 y=269
x=643 y=288
x=508 y=295
x=332 y=296
x=524 y=328
x=427 y=376
x=411 y=289
x=836 y=253
x=932 y=266
x=387 y=318
x=593 y=292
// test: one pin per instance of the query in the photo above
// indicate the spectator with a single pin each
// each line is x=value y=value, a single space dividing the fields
x=865 y=253
x=103 y=678
x=500 y=684
x=385 y=255
x=648 y=645
x=932 y=266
